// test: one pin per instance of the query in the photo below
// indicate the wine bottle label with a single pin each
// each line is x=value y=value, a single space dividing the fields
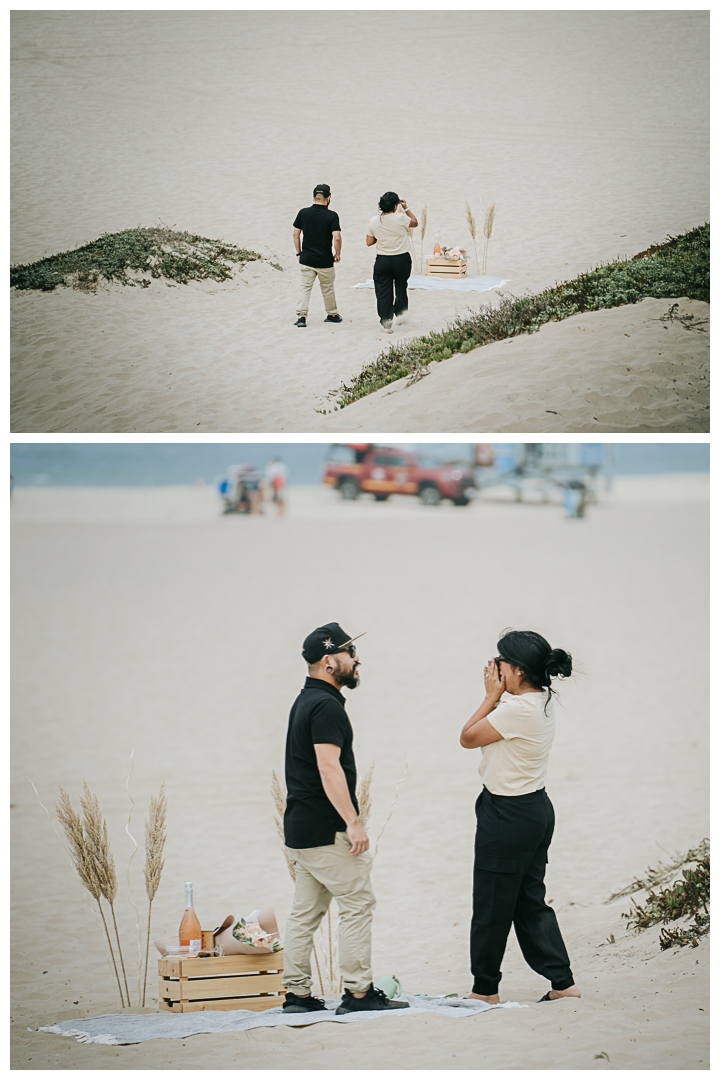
x=195 y=945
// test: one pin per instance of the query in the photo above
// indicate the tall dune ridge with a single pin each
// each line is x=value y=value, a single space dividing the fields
x=146 y=622
x=589 y=130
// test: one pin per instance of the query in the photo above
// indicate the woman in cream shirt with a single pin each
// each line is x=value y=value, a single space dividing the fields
x=393 y=265
x=515 y=818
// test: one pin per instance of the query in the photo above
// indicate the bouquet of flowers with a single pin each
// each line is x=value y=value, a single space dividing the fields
x=454 y=253
x=252 y=933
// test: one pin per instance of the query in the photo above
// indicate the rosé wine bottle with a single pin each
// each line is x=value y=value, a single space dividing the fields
x=190 y=932
x=437 y=250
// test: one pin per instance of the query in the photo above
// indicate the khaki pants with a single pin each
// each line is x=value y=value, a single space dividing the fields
x=326 y=274
x=322 y=873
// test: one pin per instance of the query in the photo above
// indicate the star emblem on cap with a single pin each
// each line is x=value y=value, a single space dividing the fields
x=328 y=644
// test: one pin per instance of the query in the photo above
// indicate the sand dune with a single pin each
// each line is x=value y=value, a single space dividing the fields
x=145 y=622
x=588 y=129
x=629 y=369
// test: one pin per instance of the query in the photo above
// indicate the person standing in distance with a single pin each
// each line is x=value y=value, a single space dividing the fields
x=326 y=844
x=276 y=475
x=320 y=230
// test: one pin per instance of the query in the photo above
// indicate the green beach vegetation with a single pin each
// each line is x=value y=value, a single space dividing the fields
x=678 y=267
x=688 y=896
x=661 y=874
x=159 y=252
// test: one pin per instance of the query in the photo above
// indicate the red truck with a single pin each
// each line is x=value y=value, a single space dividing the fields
x=385 y=470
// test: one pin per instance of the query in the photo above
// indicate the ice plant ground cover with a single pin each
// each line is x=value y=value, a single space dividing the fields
x=678 y=267
x=689 y=896
x=158 y=252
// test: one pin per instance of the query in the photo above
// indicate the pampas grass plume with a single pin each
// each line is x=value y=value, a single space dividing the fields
x=280 y=799
x=155 y=836
x=422 y=221
x=363 y=797
x=98 y=844
x=472 y=225
x=487 y=232
x=96 y=835
x=412 y=245
x=82 y=860
x=86 y=865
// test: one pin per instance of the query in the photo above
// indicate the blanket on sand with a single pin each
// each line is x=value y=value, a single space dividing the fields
x=468 y=284
x=118 y=1029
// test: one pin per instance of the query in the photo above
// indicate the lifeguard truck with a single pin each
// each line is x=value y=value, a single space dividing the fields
x=383 y=471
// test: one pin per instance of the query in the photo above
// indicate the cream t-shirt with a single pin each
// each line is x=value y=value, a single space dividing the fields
x=517 y=763
x=391 y=232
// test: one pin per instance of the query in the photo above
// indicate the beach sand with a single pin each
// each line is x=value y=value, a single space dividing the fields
x=146 y=624
x=588 y=129
x=634 y=368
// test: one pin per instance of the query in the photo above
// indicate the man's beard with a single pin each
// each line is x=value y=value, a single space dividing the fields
x=351 y=679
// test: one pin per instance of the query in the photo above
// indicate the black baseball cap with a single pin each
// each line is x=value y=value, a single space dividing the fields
x=324 y=641
x=323 y=190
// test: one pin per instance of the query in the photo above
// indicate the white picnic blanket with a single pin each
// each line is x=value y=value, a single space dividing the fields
x=468 y=284
x=118 y=1029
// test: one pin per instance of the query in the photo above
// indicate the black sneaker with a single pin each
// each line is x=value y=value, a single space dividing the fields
x=374 y=1001
x=334 y=318
x=295 y=1004
x=301 y=321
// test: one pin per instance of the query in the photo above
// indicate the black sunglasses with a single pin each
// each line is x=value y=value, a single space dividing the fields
x=502 y=660
x=350 y=649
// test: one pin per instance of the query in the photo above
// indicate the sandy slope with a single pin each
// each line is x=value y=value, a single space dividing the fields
x=628 y=369
x=145 y=622
x=588 y=129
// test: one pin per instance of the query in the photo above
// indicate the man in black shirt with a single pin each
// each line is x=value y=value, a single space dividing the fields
x=320 y=229
x=326 y=844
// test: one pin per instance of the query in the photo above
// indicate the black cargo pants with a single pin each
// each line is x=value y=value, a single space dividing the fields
x=511 y=851
x=390 y=275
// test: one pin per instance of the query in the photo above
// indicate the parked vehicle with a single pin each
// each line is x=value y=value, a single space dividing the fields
x=386 y=470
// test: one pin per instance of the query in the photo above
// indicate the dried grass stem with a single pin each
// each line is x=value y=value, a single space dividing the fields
x=97 y=842
x=85 y=862
x=422 y=221
x=487 y=232
x=472 y=225
x=155 y=836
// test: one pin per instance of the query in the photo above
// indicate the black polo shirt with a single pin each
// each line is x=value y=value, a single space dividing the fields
x=318 y=716
x=317 y=223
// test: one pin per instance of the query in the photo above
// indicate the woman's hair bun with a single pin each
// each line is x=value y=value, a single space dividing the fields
x=558 y=662
x=388 y=202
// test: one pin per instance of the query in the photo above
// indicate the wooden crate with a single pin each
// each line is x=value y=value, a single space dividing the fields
x=446 y=267
x=192 y=984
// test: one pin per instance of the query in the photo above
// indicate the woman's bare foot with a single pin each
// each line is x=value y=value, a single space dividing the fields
x=572 y=991
x=492 y=999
